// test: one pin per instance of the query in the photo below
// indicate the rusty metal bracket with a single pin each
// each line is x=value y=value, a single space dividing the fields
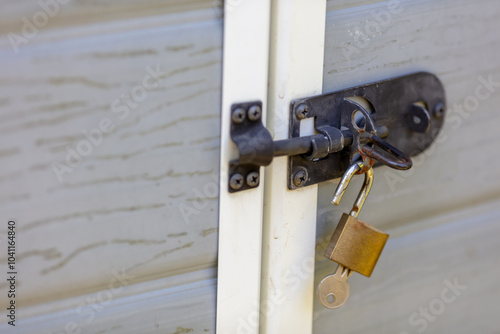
x=407 y=112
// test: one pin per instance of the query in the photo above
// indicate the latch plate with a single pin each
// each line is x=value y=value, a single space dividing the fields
x=412 y=108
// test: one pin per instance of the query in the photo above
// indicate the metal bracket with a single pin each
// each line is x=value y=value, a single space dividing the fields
x=407 y=111
x=411 y=108
x=255 y=146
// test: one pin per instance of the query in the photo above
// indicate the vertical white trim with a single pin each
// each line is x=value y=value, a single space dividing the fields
x=295 y=71
x=245 y=75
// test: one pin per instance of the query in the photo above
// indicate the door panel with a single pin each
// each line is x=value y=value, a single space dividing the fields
x=441 y=214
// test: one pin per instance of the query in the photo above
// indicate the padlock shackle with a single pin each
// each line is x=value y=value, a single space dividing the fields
x=365 y=189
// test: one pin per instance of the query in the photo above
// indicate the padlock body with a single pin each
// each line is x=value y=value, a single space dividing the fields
x=356 y=245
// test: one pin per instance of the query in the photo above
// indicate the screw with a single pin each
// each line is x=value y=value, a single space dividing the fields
x=238 y=115
x=300 y=178
x=253 y=179
x=236 y=181
x=418 y=118
x=254 y=113
x=302 y=111
x=439 y=110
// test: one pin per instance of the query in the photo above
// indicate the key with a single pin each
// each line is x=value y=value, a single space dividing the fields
x=334 y=289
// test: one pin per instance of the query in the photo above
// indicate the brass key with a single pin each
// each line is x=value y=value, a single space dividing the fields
x=355 y=245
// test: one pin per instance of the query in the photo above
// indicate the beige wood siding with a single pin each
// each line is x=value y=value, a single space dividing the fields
x=145 y=199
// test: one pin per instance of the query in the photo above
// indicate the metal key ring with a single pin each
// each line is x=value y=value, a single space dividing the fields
x=404 y=162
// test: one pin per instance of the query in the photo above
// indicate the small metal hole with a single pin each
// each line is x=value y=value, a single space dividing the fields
x=358 y=120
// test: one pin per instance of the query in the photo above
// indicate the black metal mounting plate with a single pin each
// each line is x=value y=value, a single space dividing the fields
x=393 y=103
x=255 y=146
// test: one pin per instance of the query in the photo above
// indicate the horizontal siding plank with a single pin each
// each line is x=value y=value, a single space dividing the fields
x=67 y=13
x=174 y=305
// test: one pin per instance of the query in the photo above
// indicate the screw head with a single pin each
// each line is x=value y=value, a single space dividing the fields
x=301 y=111
x=254 y=113
x=438 y=110
x=253 y=179
x=236 y=181
x=238 y=115
x=300 y=178
x=418 y=119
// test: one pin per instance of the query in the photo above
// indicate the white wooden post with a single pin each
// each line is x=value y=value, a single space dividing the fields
x=296 y=70
x=245 y=75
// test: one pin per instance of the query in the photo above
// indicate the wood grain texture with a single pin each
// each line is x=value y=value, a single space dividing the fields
x=461 y=249
x=145 y=199
x=458 y=41
x=69 y=13
x=184 y=304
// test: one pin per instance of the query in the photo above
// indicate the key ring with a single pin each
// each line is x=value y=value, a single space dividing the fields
x=395 y=158
x=404 y=162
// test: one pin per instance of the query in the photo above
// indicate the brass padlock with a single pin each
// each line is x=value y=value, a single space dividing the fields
x=355 y=244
